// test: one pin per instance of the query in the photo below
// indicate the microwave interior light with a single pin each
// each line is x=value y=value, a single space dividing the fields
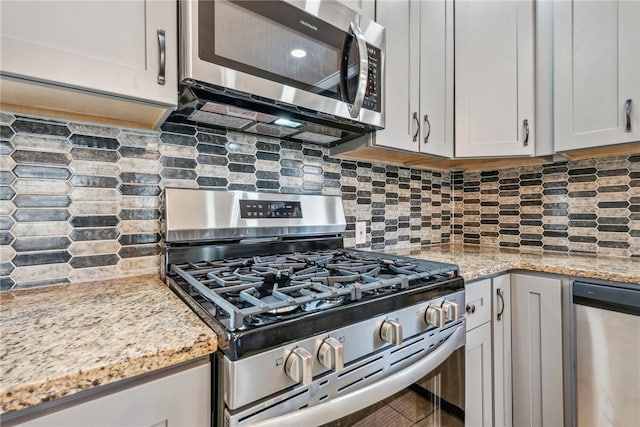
x=298 y=53
x=287 y=123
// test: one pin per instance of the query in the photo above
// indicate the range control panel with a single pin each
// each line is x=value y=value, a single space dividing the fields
x=252 y=209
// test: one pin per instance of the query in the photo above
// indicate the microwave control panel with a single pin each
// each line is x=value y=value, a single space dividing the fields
x=372 y=96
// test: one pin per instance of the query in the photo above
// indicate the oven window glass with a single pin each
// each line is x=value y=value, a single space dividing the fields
x=435 y=400
x=279 y=42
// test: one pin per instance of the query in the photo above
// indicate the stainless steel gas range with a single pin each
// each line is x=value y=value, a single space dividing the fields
x=311 y=333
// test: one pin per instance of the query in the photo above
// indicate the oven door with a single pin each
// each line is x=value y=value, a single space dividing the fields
x=429 y=392
x=309 y=55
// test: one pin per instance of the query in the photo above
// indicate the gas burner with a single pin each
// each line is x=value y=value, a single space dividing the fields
x=323 y=304
x=257 y=320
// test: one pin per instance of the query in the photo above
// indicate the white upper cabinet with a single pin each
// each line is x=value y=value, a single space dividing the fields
x=419 y=76
x=401 y=97
x=494 y=78
x=596 y=73
x=436 y=77
x=127 y=49
x=364 y=7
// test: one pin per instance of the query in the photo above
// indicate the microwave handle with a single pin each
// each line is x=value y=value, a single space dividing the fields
x=344 y=405
x=363 y=70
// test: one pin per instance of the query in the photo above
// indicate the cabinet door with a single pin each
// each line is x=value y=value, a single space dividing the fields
x=363 y=7
x=401 y=20
x=178 y=399
x=596 y=70
x=436 y=77
x=101 y=46
x=494 y=85
x=477 y=377
x=501 y=323
x=536 y=351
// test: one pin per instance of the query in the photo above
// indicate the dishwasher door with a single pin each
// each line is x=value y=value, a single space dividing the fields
x=607 y=352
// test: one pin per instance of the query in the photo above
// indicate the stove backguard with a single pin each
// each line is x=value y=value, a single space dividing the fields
x=195 y=215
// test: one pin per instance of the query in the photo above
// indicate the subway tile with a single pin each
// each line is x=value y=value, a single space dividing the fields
x=95 y=130
x=42 y=128
x=90 y=141
x=40 y=258
x=82 y=234
x=41 y=144
x=40 y=215
x=94 y=261
x=40 y=244
x=94 y=221
x=94 y=155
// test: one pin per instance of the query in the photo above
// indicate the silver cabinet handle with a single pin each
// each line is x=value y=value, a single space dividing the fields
x=415 y=136
x=363 y=72
x=163 y=57
x=427 y=123
x=525 y=127
x=501 y=296
x=627 y=112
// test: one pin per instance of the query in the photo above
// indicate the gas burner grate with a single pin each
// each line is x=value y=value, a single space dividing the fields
x=252 y=291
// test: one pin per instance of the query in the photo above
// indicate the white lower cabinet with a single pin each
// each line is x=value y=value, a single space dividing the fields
x=478 y=377
x=537 y=350
x=488 y=353
x=501 y=325
x=178 y=398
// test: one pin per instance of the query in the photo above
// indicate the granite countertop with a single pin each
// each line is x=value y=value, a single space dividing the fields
x=479 y=261
x=59 y=340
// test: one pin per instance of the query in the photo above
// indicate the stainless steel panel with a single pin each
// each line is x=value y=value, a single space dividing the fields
x=358 y=340
x=608 y=367
x=340 y=16
x=193 y=215
x=364 y=383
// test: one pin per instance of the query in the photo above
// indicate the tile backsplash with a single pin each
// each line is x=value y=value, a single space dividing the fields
x=80 y=201
x=586 y=206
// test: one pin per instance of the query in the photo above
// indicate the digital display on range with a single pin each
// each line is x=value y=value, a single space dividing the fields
x=252 y=209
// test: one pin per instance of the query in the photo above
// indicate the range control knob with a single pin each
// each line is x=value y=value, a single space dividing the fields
x=330 y=354
x=435 y=316
x=451 y=310
x=391 y=332
x=298 y=366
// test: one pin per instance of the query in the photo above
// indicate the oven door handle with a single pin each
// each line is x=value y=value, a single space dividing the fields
x=373 y=393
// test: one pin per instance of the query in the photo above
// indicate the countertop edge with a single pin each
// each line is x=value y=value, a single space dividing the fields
x=30 y=394
x=541 y=268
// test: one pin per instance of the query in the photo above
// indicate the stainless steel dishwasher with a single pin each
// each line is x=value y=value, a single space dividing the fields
x=604 y=358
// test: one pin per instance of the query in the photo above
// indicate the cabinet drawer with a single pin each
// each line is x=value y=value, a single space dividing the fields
x=478 y=303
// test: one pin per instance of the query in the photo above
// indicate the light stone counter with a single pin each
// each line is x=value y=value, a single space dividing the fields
x=479 y=261
x=59 y=340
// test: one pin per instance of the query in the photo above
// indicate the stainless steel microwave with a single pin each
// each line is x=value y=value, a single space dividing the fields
x=304 y=70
